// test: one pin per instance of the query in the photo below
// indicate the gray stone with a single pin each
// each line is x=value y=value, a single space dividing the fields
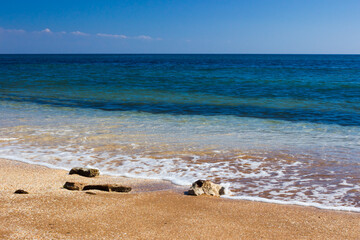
x=86 y=172
x=206 y=187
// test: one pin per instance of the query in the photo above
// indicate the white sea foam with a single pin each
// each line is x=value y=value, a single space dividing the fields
x=344 y=183
x=8 y=139
x=306 y=204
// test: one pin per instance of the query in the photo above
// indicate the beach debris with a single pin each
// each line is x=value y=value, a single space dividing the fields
x=206 y=187
x=102 y=187
x=86 y=172
x=20 y=191
x=74 y=186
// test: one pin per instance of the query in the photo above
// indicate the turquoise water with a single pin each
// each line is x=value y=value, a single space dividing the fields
x=281 y=128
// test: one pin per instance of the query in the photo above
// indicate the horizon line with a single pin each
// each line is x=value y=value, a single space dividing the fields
x=179 y=53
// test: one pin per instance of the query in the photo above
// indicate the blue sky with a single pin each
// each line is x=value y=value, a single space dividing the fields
x=183 y=26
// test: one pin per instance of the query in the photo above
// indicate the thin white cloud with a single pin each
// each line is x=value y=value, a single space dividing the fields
x=11 y=30
x=78 y=33
x=15 y=31
x=46 y=30
x=144 y=37
x=112 y=35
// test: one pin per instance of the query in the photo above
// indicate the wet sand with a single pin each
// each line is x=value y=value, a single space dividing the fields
x=153 y=210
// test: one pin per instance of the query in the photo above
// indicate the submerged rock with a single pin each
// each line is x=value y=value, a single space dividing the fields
x=206 y=187
x=86 y=172
x=102 y=187
x=20 y=191
x=74 y=186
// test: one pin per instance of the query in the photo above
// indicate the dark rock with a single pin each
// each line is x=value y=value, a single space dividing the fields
x=20 y=191
x=86 y=172
x=74 y=186
x=222 y=191
x=108 y=188
x=102 y=187
x=206 y=187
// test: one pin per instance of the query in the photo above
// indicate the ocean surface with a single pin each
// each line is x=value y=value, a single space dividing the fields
x=274 y=128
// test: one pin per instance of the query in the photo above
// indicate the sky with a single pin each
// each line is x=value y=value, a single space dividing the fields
x=183 y=26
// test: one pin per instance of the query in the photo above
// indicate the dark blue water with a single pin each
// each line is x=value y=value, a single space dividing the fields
x=310 y=88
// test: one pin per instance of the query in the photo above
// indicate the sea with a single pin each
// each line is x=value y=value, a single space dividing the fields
x=274 y=128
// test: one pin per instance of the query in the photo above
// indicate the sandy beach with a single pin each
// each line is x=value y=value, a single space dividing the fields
x=153 y=210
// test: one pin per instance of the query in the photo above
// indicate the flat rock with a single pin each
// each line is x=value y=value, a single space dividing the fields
x=102 y=187
x=86 y=172
x=74 y=186
x=206 y=187
x=20 y=191
x=108 y=188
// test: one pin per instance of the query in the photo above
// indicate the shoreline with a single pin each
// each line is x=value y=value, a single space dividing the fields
x=172 y=185
x=154 y=209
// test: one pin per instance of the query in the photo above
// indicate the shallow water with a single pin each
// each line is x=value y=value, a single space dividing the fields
x=280 y=128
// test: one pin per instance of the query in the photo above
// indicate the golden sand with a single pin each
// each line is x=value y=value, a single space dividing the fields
x=153 y=210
